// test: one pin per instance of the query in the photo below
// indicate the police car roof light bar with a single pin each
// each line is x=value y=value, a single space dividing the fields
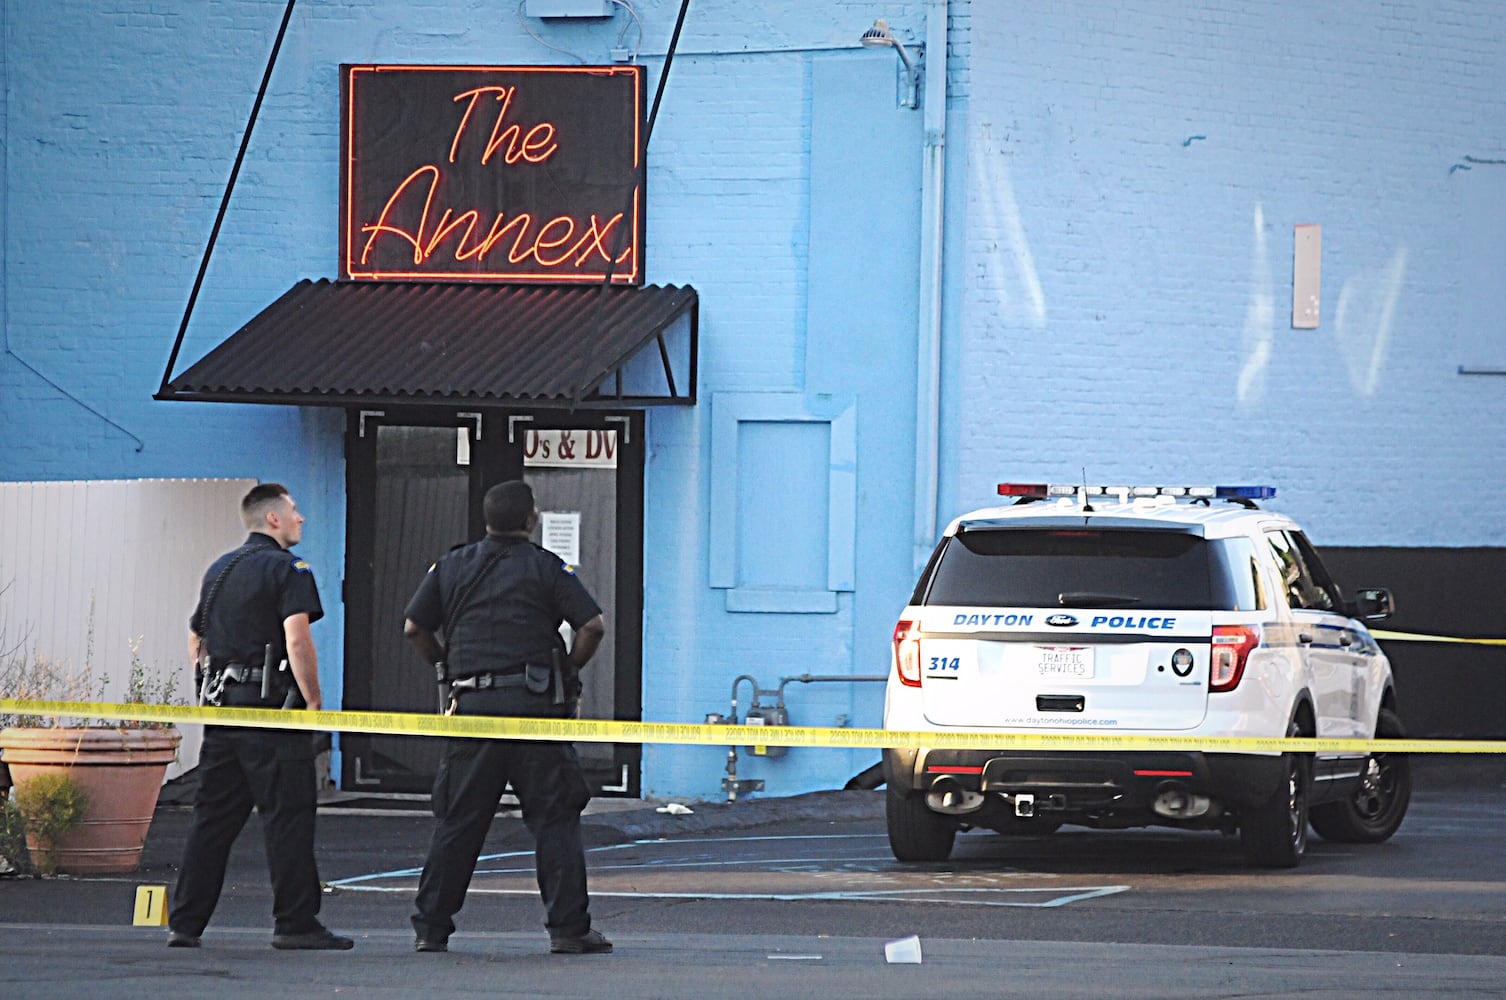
x=1040 y=491
x=1246 y=492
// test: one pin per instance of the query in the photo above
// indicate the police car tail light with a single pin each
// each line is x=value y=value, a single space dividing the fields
x=1231 y=650
x=907 y=653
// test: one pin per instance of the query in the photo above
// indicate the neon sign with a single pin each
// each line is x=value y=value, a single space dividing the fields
x=500 y=173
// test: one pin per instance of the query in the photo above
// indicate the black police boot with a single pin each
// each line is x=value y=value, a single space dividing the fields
x=589 y=943
x=321 y=940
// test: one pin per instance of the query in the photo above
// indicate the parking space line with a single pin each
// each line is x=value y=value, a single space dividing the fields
x=957 y=897
x=1042 y=897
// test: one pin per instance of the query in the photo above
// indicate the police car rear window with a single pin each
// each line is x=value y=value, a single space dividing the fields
x=1048 y=568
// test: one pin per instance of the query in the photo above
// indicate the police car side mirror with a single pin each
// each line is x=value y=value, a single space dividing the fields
x=1374 y=604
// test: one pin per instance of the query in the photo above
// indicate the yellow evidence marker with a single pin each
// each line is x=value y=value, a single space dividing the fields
x=151 y=906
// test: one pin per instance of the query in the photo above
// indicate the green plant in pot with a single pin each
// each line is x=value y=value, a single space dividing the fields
x=15 y=859
x=50 y=805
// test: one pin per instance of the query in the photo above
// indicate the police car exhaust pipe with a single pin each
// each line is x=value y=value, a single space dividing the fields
x=949 y=797
x=1174 y=801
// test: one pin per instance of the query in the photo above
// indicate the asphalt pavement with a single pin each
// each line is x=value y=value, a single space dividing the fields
x=68 y=936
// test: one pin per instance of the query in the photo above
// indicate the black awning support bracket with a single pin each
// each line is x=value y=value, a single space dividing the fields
x=641 y=180
x=219 y=219
x=669 y=374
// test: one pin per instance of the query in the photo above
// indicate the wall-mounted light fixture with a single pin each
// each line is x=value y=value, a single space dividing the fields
x=879 y=36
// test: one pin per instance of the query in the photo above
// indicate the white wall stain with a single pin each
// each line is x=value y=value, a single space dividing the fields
x=1363 y=321
x=1260 y=314
x=999 y=211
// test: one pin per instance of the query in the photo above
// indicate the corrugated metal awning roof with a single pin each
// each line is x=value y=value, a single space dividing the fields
x=350 y=343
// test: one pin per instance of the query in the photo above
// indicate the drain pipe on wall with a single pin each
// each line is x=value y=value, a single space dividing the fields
x=932 y=229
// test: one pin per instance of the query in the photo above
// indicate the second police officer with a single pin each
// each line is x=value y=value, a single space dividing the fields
x=498 y=604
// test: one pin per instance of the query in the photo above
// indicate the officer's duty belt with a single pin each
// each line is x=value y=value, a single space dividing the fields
x=241 y=673
x=482 y=682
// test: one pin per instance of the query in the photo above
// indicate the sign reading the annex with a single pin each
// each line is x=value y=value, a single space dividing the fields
x=504 y=173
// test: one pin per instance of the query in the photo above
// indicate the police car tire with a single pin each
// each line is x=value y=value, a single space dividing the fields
x=1274 y=833
x=915 y=832
x=1375 y=811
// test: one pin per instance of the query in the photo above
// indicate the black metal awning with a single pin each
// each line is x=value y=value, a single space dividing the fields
x=350 y=343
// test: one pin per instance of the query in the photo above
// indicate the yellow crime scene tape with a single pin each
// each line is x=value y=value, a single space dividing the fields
x=1419 y=637
x=715 y=734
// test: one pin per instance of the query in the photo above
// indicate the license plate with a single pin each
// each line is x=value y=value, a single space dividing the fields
x=1064 y=661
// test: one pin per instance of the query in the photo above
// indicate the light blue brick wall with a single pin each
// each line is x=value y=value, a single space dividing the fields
x=1135 y=174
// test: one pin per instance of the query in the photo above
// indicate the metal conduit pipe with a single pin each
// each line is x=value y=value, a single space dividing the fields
x=732 y=784
x=829 y=679
x=738 y=680
x=928 y=341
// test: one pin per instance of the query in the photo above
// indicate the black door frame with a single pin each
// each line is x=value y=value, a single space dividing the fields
x=497 y=455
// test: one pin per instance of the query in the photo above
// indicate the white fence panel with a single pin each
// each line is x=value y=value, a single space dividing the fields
x=94 y=574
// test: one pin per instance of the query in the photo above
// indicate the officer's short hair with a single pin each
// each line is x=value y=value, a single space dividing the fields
x=262 y=498
x=508 y=505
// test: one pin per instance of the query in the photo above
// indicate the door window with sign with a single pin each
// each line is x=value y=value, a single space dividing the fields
x=573 y=473
x=412 y=507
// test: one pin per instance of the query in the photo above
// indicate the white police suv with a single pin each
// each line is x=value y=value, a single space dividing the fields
x=1133 y=611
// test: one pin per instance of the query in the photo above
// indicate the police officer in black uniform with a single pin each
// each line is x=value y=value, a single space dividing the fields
x=249 y=639
x=499 y=603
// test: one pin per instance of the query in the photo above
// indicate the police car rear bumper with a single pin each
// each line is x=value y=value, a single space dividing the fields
x=1087 y=781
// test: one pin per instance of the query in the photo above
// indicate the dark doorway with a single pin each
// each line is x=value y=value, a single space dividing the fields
x=414 y=486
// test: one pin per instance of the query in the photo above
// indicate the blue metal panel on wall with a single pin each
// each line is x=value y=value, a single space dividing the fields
x=782 y=501
x=781 y=504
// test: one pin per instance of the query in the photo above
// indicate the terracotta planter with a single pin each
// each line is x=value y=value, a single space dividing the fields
x=120 y=769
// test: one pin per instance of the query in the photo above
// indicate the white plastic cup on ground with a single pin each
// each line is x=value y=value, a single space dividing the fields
x=905 y=951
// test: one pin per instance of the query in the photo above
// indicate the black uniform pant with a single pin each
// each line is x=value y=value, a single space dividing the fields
x=550 y=786
x=272 y=770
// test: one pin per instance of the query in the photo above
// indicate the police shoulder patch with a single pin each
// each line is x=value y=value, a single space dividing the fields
x=567 y=568
x=300 y=566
